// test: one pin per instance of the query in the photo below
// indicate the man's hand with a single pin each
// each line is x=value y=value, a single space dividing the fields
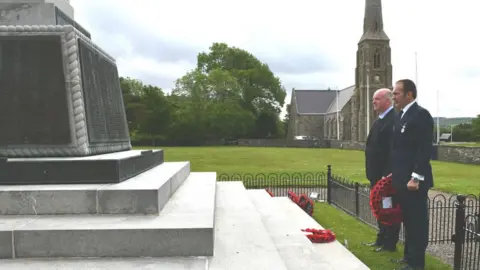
x=412 y=185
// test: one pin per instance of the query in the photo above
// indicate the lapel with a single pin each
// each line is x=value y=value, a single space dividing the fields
x=372 y=129
x=401 y=123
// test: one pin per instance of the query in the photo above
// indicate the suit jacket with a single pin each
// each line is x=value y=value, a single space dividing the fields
x=412 y=148
x=378 y=147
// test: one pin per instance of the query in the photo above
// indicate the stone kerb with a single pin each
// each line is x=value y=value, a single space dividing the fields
x=79 y=145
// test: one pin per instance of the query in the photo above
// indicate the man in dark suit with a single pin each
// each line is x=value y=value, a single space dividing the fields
x=411 y=170
x=377 y=160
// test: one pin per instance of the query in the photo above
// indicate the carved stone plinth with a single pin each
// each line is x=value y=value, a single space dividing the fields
x=60 y=94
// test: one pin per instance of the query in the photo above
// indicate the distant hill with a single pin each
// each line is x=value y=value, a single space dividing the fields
x=447 y=122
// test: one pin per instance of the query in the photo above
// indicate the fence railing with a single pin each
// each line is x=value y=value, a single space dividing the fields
x=280 y=184
x=454 y=219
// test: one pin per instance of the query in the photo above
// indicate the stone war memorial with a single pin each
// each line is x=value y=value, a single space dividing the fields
x=75 y=195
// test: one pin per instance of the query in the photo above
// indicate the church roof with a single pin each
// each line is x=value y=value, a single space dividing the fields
x=313 y=101
x=344 y=96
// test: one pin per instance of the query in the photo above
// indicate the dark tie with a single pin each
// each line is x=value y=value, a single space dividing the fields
x=400 y=114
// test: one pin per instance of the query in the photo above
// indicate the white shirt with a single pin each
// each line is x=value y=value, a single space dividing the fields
x=381 y=116
x=405 y=109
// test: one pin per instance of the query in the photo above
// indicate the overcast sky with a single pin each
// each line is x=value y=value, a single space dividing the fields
x=309 y=44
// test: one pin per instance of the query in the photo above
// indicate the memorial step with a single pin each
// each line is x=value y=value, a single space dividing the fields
x=296 y=250
x=170 y=263
x=183 y=228
x=145 y=193
x=325 y=255
x=241 y=240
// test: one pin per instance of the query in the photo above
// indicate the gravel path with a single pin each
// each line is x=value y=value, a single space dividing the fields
x=442 y=216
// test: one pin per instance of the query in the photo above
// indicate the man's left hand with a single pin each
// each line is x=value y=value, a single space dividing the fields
x=412 y=185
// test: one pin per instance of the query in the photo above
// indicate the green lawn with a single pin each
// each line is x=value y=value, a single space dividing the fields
x=348 y=228
x=450 y=177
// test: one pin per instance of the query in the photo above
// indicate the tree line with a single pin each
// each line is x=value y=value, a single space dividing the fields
x=230 y=94
x=464 y=132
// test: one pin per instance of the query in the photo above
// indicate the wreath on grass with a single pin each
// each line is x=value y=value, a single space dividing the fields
x=319 y=236
x=383 y=189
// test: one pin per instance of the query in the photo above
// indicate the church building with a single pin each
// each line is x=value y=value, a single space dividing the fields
x=347 y=114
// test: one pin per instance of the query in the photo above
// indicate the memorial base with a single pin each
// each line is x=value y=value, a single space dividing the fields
x=99 y=169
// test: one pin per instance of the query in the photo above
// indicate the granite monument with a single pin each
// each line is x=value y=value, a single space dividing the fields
x=62 y=116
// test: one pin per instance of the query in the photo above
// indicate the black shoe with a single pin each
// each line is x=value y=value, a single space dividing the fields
x=383 y=249
x=373 y=244
x=400 y=261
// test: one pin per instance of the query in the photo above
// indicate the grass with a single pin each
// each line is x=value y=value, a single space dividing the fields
x=449 y=177
x=348 y=228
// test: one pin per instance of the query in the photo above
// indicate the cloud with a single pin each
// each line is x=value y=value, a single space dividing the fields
x=309 y=44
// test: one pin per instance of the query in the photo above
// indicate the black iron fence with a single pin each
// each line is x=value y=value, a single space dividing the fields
x=280 y=184
x=454 y=219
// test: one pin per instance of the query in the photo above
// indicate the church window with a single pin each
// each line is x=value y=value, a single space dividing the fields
x=375 y=26
x=376 y=59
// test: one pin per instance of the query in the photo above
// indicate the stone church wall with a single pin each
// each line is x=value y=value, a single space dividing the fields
x=459 y=154
x=456 y=154
x=309 y=125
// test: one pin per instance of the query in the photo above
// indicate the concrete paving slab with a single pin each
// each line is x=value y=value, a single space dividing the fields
x=241 y=240
x=184 y=228
x=296 y=250
x=145 y=193
x=337 y=256
x=171 y=263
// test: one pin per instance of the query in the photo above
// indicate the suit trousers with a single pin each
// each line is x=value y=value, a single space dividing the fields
x=415 y=219
x=388 y=235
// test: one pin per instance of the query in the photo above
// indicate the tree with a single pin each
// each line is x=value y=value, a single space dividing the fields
x=476 y=128
x=259 y=90
x=462 y=133
x=208 y=107
x=148 y=110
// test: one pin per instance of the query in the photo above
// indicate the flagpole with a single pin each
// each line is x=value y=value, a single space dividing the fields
x=416 y=72
x=438 y=117
x=367 y=99
x=338 y=120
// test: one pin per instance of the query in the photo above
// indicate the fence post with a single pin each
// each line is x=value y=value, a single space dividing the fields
x=357 y=199
x=329 y=184
x=459 y=237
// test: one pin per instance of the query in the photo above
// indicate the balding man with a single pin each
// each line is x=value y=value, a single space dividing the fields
x=377 y=160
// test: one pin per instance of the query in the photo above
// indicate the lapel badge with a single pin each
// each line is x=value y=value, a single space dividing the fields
x=403 y=128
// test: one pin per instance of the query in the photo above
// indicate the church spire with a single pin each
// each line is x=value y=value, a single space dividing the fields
x=373 y=21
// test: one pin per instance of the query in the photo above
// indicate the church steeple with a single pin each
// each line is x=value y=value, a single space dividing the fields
x=373 y=21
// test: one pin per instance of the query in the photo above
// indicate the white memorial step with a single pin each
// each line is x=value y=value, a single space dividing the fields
x=332 y=255
x=183 y=228
x=170 y=263
x=292 y=244
x=241 y=240
x=146 y=193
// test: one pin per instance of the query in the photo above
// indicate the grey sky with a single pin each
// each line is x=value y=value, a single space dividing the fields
x=309 y=44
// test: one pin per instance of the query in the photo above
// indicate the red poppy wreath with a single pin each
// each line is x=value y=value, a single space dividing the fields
x=319 y=236
x=383 y=189
x=303 y=201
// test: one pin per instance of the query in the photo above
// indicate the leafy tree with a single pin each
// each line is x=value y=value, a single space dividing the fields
x=476 y=128
x=260 y=91
x=148 y=110
x=462 y=133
